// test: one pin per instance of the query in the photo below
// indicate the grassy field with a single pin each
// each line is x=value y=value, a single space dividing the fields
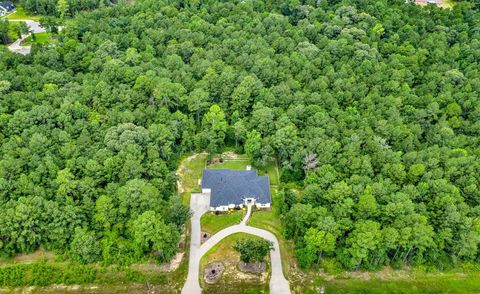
x=233 y=280
x=44 y=273
x=410 y=283
x=212 y=223
x=40 y=39
x=190 y=171
x=20 y=13
x=232 y=164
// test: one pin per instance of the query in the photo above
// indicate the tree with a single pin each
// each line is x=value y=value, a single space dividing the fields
x=152 y=235
x=362 y=241
x=319 y=242
x=367 y=204
x=216 y=127
x=253 y=145
x=106 y=212
x=253 y=250
x=62 y=8
x=50 y=23
x=84 y=247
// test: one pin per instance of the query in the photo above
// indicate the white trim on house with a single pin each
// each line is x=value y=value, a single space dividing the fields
x=262 y=205
x=233 y=206
x=219 y=208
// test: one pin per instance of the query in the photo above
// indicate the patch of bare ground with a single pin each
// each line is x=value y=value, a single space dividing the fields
x=252 y=267
x=164 y=267
x=386 y=274
x=37 y=255
x=326 y=276
x=230 y=155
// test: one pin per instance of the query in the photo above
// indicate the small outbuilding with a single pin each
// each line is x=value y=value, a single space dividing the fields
x=229 y=189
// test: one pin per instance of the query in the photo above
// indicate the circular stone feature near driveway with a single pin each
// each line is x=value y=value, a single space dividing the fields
x=204 y=237
x=213 y=272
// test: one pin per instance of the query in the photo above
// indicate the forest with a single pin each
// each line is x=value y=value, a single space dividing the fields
x=371 y=108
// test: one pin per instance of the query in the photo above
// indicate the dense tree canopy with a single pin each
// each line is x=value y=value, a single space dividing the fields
x=371 y=107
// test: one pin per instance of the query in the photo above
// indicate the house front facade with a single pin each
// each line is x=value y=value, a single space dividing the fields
x=229 y=189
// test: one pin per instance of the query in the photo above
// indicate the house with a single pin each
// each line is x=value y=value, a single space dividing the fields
x=6 y=7
x=235 y=188
x=425 y=2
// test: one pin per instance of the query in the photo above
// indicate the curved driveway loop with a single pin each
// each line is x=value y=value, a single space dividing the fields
x=199 y=204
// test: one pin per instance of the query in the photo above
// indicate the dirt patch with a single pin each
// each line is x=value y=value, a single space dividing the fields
x=174 y=263
x=253 y=267
x=213 y=272
x=205 y=237
x=182 y=170
x=231 y=155
x=39 y=254
x=164 y=267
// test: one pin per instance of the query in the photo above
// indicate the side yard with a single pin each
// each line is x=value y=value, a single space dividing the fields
x=20 y=13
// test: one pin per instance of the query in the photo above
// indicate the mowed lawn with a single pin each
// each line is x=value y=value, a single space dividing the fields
x=212 y=223
x=233 y=280
x=20 y=13
x=40 y=39
x=241 y=164
x=425 y=283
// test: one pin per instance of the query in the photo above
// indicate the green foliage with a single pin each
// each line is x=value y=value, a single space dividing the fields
x=370 y=107
x=152 y=234
x=84 y=247
x=253 y=250
x=43 y=274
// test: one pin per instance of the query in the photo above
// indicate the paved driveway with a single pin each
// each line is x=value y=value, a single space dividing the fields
x=34 y=26
x=199 y=205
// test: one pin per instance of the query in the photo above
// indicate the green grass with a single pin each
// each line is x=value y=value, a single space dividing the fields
x=232 y=164
x=241 y=164
x=20 y=13
x=271 y=171
x=40 y=39
x=232 y=281
x=212 y=223
x=438 y=283
x=191 y=171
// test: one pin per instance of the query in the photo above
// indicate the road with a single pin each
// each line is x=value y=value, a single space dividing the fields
x=199 y=204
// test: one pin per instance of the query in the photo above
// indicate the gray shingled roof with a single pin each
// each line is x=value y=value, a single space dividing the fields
x=232 y=186
x=8 y=5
